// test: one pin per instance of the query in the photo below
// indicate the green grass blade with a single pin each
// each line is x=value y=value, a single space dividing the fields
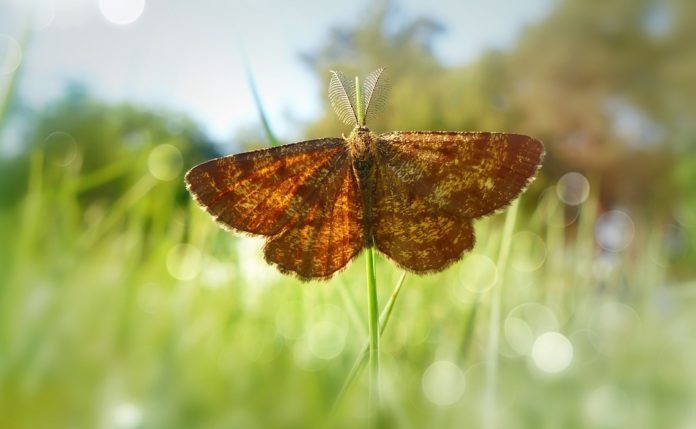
x=373 y=325
x=358 y=102
x=10 y=89
x=491 y=365
x=272 y=140
x=359 y=364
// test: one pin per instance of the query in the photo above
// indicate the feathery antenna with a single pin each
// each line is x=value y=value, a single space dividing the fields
x=374 y=90
x=346 y=104
x=342 y=96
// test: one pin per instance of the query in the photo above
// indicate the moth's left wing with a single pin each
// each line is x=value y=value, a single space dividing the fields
x=265 y=191
x=328 y=236
x=303 y=197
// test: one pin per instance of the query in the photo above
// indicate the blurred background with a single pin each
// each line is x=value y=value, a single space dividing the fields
x=122 y=305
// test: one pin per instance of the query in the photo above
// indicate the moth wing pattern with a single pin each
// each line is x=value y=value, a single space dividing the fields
x=330 y=235
x=415 y=235
x=299 y=195
x=431 y=185
x=470 y=174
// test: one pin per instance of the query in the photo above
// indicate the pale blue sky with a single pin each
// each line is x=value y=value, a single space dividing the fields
x=184 y=55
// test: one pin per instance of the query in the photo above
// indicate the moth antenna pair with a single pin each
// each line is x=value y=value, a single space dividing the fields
x=342 y=93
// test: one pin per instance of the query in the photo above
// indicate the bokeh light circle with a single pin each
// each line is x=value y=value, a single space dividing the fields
x=165 y=162
x=184 y=261
x=672 y=244
x=552 y=352
x=477 y=274
x=573 y=188
x=43 y=13
x=525 y=323
x=685 y=214
x=518 y=335
x=614 y=230
x=443 y=383
x=327 y=331
x=216 y=273
x=121 y=12
x=607 y=406
x=126 y=416
x=61 y=148
x=553 y=211
x=613 y=327
x=10 y=54
x=289 y=320
x=604 y=265
x=326 y=339
x=528 y=251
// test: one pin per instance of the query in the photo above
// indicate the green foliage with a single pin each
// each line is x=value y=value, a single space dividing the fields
x=605 y=88
x=83 y=136
x=123 y=305
x=158 y=309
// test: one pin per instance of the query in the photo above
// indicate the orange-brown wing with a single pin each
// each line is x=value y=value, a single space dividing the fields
x=467 y=174
x=298 y=194
x=430 y=185
x=331 y=234
x=264 y=191
x=414 y=234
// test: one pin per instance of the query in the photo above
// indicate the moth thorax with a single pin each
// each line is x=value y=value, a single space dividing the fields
x=361 y=143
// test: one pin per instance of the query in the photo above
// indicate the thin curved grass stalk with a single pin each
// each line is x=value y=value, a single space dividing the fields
x=272 y=140
x=119 y=209
x=342 y=93
x=372 y=304
x=374 y=90
x=468 y=336
x=10 y=88
x=491 y=365
x=359 y=364
x=359 y=102
x=101 y=176
x=373 y=325
x=26 y=234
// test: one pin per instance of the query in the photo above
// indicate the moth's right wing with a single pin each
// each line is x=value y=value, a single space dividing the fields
x=431 y=185
x=470 y=174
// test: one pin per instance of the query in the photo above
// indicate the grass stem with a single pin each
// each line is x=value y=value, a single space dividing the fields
x=372 y=305
x=373 y=327
x=272 y=139
x=358 y=103
x=365 y=351
x=491 y=367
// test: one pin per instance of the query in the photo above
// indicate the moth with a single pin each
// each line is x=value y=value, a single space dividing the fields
x=412 y=195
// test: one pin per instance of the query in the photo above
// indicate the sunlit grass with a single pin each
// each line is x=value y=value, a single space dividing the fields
x=106 y=320
x=141 y=312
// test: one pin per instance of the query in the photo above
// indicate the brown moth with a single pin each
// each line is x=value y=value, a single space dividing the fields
x=410 y=194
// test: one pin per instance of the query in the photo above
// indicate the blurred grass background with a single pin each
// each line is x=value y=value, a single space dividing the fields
x=122 y=305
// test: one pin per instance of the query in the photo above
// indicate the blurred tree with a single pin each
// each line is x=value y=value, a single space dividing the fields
x=604 y=84
x=405 y=50
x=86 y=136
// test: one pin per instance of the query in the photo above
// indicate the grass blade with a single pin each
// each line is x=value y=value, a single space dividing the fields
x=272 y=140
x=491 y=365
x=359 y=364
